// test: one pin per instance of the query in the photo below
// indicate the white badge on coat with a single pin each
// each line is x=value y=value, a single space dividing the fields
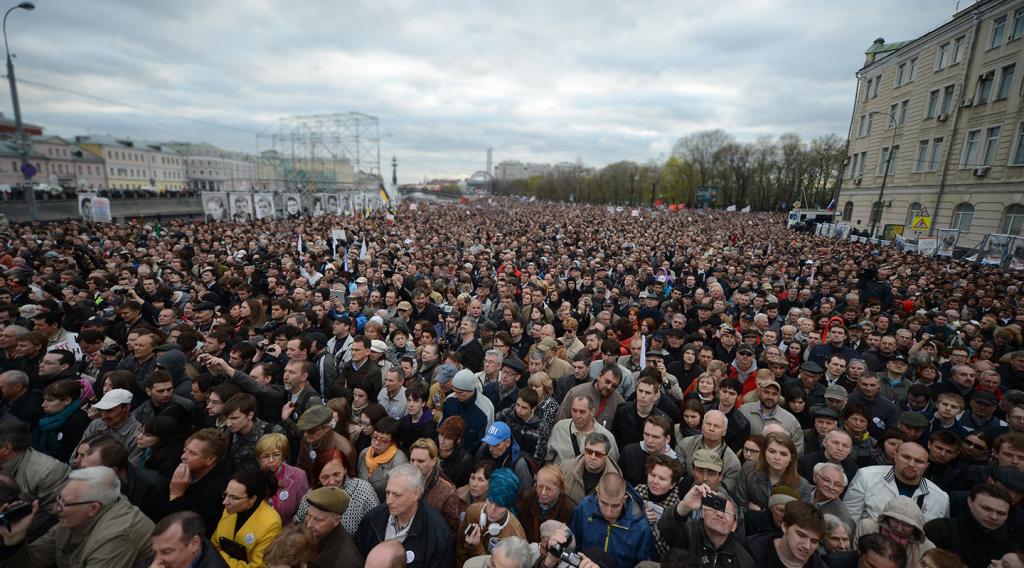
x=312 y=455
x=250 y=539
x=60 y=436
x=283 y=495
x=409 y=556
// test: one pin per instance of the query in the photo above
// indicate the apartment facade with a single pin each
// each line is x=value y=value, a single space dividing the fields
x=940 y=121
x=136 y=165
x=209 y=168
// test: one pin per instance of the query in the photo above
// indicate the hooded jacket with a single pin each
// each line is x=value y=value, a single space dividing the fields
x=905 y=510
x=630 y=539
x=688 y=533
x=478 y=413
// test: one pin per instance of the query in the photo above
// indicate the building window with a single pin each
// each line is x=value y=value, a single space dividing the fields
x=1018 y=147
x=876 y=212
x=893 y=112
x=1013 y=220
x=921 y=161
x=1006 y=81
x=848 y=211
x=1018 y=24
x=998 y=31
x=971 y=146
x=901 y=69
x=904 y=107
x=878 y=86
x=991 y=144
x=963 y=214
x=912 y=71
x=984 y=88
x=933 y=162
x=941 y=60
x=933 y=104
x=947 y=100
x=958 y=49
x=912 y=212
x=889 y=158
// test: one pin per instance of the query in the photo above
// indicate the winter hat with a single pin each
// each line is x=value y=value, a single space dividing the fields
x=504 y=488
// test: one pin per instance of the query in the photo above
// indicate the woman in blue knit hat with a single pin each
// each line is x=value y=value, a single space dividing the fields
x=485 y=524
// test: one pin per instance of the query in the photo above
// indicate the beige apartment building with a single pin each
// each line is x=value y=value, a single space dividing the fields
x=137 y=165
x=947 y=109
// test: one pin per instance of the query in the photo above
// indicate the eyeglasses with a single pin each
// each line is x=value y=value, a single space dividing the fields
x=595 y=453
x=233 y=497
x=835 y=483
x=62 y=504
x=382 y=438
x=751 y=450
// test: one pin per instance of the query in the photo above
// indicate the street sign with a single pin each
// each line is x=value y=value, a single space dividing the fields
x=28 y=170
x=921 y=223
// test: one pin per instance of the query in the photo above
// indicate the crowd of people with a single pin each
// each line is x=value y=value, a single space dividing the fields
x=504 y=384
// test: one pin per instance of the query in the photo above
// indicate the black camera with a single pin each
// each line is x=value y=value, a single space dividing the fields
x=567 y=556
x=15 y=513
x=714 y=501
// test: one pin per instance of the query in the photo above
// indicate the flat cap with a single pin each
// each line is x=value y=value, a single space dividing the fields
x=315 y=417
x=330 y=499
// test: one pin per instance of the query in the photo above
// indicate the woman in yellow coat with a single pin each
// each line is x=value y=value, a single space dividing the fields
x=248 y=523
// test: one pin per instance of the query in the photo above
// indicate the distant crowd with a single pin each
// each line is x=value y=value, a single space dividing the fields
x=506 y=384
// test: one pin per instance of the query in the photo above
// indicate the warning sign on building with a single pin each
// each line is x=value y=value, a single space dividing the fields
x=922 y=221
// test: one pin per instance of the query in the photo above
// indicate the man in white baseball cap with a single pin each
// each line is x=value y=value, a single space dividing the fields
x=116 y=420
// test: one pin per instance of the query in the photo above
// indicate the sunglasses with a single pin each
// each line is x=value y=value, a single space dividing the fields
x=596 y=453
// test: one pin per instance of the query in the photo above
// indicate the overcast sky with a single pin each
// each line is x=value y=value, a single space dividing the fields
x=547 y=81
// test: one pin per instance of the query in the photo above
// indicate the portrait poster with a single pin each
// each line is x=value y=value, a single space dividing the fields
x=241 y=207
x=994 y=249
x=85 y=205
x=264 y=205
x=1017 y=254
x=292 y=204
x=947 y=242
x=215 y=206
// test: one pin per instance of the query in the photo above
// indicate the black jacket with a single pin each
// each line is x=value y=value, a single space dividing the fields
x=762 y=549
x=208 y=558
x=963 y=536
x=429 y=542
x=688 y=534
x=205 y=497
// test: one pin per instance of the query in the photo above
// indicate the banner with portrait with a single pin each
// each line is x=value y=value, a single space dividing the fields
x=319 y=205
x=292 y=204
x=947 y=242
x=343 y=208
x=926 y=245
x=994 y=249
x=264 y=203
x=241 y=207
x=215 y=206
x=85 y=205
x=1016 y=254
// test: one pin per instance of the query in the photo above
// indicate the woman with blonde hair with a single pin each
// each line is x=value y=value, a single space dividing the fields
x=271 y=452
x=547 y=408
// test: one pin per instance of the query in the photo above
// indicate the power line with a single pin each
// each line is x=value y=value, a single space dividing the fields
x=136 y=107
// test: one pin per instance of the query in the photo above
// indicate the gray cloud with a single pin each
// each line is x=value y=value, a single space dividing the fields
x=537 y=81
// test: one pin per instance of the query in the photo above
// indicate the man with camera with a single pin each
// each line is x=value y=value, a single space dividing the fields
x=704 y=523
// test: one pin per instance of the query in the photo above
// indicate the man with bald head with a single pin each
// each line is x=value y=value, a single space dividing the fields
x=387 y=554
x=876 y=485
x=712 y=437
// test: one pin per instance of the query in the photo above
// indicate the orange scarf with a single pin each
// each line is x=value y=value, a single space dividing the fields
x=375 y=461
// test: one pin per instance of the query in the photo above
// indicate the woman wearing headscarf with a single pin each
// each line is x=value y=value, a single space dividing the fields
x=487 y=523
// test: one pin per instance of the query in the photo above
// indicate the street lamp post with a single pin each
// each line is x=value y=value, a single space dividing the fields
x=23 y=147
x=885 y=175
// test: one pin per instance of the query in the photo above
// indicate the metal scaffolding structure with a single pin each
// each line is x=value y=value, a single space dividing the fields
x=319 y=153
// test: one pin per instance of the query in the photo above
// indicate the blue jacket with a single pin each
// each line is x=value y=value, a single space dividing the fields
x=630 y=539
x=476 y=419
